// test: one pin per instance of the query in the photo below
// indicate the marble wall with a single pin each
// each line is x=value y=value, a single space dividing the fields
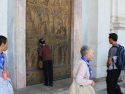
x=96 y=26
x=92 y=30
x=84 y=21
x=11 y=39
x=3 y=17
x=7 y=29
x=117 y=15
x=118 y=23
x=89 y=26
x=118 y=19
x=103 y=33
x=121 y=37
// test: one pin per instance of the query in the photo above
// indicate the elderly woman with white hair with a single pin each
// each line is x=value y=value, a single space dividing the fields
x=82 y=73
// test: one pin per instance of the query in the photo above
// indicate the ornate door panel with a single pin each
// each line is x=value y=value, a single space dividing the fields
x=49 y=19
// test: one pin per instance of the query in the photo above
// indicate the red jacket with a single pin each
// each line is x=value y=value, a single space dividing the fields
x=45 y=53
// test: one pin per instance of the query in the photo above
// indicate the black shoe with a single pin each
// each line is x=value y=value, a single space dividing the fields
x=46 y=84
x=50 y=84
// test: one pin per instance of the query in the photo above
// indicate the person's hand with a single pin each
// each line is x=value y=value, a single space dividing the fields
x=13 y=85
x=40 y=64
x=107 y=70
x=93 y=83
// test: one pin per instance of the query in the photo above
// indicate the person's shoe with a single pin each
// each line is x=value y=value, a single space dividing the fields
x=50 y=84
x=46 y=84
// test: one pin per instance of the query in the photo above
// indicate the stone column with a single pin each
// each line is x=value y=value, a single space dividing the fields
x=103 y=30
x=20 y=43
x=76 y=31
x=96 y=27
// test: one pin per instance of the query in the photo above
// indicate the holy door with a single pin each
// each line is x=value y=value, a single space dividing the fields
x=48 y=19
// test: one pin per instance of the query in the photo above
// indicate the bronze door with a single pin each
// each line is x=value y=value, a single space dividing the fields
x=49 y=19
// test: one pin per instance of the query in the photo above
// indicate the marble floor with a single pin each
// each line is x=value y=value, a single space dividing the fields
x=100 y=87
x=61 y=87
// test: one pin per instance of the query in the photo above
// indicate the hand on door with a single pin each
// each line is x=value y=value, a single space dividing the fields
x=40 y=64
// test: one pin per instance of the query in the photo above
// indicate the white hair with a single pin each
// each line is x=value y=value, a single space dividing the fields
x=86 y=48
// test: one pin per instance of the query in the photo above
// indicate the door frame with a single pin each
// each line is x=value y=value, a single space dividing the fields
x=20 y=38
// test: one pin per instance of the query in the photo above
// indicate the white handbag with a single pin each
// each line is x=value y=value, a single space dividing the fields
x=80 y=89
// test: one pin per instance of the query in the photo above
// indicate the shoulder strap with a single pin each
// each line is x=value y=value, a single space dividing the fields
x=79 y=68
x=116 y=46
x=117 y=54
x=113 y=63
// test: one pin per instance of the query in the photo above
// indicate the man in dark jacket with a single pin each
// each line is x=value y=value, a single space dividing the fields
x=45 y=56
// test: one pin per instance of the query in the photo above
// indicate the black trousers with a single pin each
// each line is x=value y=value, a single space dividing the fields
x=111 y=80
x=48 y=72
